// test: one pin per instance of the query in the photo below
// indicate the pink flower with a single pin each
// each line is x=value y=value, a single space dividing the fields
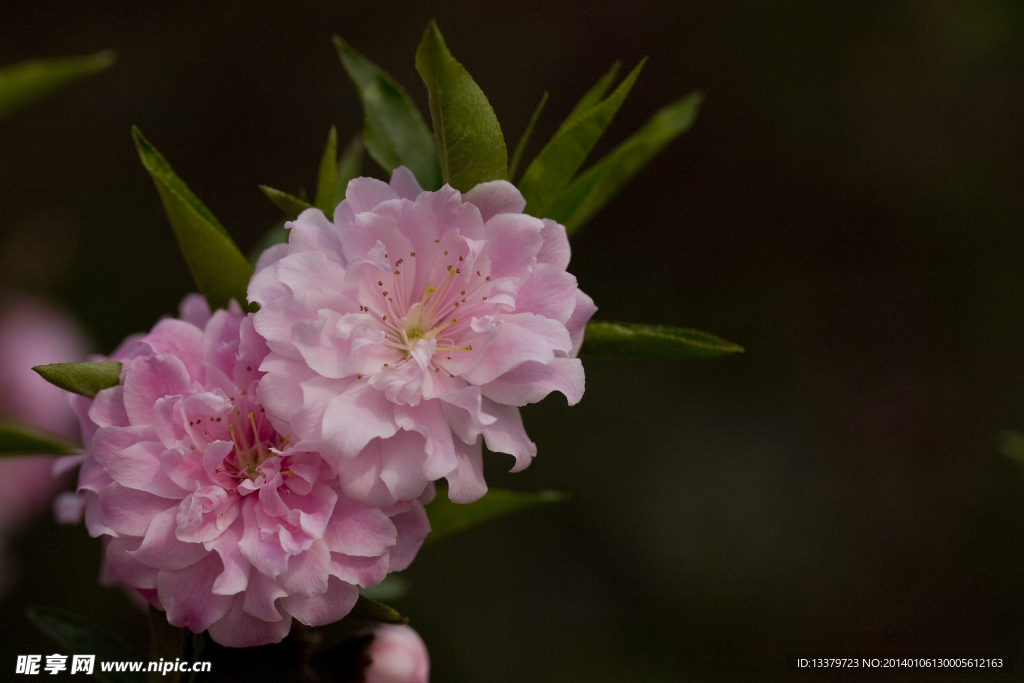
x=414 y=325
x=210 y=513
x=397 y=655
x=33 y=333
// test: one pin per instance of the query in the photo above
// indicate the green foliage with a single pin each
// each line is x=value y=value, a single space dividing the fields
x=77 y=636
x=598 y=185
x=82 y=378
x=550 y=172
x=393 y=128
x=327 y=178
x=448 y=518
x=290 y=204
x=469 y=142
x=367 y=609
x=525 y=139
x=218 y=268
x=23 y=83
x=632 y=340
x=1011 y=444
x=593 y=96
x=21 y=439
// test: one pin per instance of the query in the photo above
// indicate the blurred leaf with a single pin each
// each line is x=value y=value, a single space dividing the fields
x=276 y=235
x=593 y=96
x=1011 y=444
x=469 y=142
x=350 y=165
x=448 y=518
x=394 y=131
x=593 y=189
x=552 y=170
x=82 y=378
x=521 y=145
x=77 y=636
x=22 y=439
x=395 y=586
x=633 y=340
x=218 y=268
x=291 y=205
x=23 y=83
x=367 y=609
x=327 y=178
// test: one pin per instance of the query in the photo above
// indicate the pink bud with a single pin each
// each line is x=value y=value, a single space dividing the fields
x=397 y=655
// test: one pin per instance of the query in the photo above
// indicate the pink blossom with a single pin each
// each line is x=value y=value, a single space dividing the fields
x=397 y=655
x=210 y=513
x=33 y=333
x=407 y=332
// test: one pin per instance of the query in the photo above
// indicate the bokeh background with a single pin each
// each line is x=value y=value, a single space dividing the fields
x=849 y=206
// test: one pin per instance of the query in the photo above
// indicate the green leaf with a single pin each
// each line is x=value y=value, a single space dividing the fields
x=448 y=518
x=652 y=341
x=82 y=378
x=521 y=145
x=290 y=204
x=393 y=128
x=550 y=172
x=327 y=179
x=1011 y=444
x=367 y=609
x=350 y=165
x=22 y=439
x=23 y=83
x=78 y=636
x=593 y=96
x=395 y=586
x=218 y=268
x=598 y=185
x=469 y=142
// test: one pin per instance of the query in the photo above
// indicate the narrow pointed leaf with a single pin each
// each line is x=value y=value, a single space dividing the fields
x=371 y=610
x=23 y=83
x=631 y=340
x=525 y=139
x=219 y=269
x=86 y=379
x=22 y=439
x=290 y=204
x=1011 y=444
x=469 y=142
x=327 y=179
x=350 y=165
x=598 y=185
x=77 y=636
x=448 y=518
x=593 y=96
x=394 y=131
x=549 y=174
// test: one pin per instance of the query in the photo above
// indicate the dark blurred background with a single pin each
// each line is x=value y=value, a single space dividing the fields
x=849 y=206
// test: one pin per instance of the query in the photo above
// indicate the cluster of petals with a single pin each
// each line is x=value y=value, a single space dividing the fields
x=407 y=332
x=210 y=513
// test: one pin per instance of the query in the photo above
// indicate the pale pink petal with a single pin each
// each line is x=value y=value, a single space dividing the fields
x=322 y=608
x=187 y=598
x=413 y=526
x=352 y=419
x=494 y=197
x=397 y=655
x=531 y=382
x=577 y=324
x=555 y=251
x=466 y=482
x=404 y=183
x=239 y=629
x=507 y=435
